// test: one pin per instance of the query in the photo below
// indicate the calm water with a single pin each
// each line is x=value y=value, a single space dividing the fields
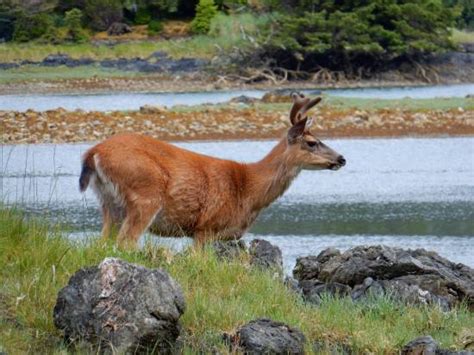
x=403 y=192
x=133 y=101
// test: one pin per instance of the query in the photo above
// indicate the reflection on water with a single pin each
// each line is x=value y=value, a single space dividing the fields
x=133 y=101
x=404 y=192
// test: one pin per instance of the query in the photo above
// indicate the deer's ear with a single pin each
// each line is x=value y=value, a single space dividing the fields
x=297 y=131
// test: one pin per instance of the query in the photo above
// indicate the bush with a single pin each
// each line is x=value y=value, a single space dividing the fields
x=142 y=17
x=102 y=13
x=205 y=11
x=155 y=27
x=73 y=22
x=28 y=27
x=344 y=36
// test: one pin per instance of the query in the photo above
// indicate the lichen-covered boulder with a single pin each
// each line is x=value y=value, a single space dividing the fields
x=121 y=307
x=264 y=336
x=227 y=250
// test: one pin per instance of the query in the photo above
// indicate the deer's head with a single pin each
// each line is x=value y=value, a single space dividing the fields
x=306 y=149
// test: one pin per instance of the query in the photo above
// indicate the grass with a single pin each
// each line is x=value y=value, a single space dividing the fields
x=36 y=262
x=202 y=46
x=460 y=36
x=344 y=103
x=34 y=73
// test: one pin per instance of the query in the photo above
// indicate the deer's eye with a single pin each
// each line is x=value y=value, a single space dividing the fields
x=312 y=144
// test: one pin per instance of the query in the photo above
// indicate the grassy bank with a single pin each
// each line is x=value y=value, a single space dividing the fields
x=36 y=262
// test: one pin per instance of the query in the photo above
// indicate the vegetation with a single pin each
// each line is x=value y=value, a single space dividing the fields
x=205 y=12
x=37 y=262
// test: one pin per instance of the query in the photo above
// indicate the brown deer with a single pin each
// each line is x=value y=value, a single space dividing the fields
x=145 y=184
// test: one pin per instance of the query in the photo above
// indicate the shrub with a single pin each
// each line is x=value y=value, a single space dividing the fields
x=142 y=17
x=344 y=36
x=73 y=22
x=102 y=13
x=205 y=11
x=28 y=27
x=155 y=27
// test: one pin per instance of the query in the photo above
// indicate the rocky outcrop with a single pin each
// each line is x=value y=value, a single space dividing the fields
x=265 y=336
x=412 y=276
x=265 y=255
x=118 y=29
x=121 y=307
x=426 y=345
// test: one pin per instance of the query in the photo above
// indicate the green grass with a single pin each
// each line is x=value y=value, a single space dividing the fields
x=460 y=36
x=353 y=103
x=36 y=262
x=34 y=73
x=226 y=33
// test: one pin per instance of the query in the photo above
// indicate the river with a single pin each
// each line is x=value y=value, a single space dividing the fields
x=411 y=193
x=133 y=101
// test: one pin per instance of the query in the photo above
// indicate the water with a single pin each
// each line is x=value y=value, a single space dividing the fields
x=133 y=101
x=406 y=192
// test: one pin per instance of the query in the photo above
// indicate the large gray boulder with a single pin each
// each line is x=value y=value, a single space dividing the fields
x=406 y=274
x=264 y=336
x=121 y=307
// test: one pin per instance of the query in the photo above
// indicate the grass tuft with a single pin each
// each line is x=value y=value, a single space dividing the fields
x=37 y=261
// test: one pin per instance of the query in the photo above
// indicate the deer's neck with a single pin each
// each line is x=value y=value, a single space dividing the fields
x=271 y=176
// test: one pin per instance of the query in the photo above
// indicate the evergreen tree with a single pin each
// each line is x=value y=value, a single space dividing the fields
x=205 y=11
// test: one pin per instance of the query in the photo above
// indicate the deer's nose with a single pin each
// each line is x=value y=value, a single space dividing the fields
x=341 y=160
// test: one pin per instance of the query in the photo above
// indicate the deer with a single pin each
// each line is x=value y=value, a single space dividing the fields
x=144 y=184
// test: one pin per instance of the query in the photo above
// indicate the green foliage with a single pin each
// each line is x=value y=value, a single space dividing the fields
x=37 y=261
x=73 y=22
x=142 y=16
x=465 y=12
x=28 y=27
x=155 y=27
x=341 y=34
x=7 y=23
x=205 y=11
x=102 y=13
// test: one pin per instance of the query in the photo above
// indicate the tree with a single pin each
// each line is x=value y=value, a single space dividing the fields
x=205 y=11
x=73 y=21
x=102 y=13
x=345 y=35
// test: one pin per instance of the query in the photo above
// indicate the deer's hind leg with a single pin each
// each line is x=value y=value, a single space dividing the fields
x=111 y=221
x=138 y=217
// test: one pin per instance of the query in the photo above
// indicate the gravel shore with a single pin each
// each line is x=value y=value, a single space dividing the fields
x=233 y=121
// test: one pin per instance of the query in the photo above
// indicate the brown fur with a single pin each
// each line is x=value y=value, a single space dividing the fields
x=144 y=183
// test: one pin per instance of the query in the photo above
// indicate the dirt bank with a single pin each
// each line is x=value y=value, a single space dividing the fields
x=229 y=122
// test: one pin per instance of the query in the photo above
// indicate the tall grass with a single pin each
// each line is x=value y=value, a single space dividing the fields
x=36 y=261
x=226 y=33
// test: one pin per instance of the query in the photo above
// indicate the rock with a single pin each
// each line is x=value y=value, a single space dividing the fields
x=56 y=59
x=120 y=306
x=447 y=283
x=314 y=290
x=265 y=255
x=118 y=29
x=421 y=346
x=264 y=336
x=308 y=267
x=242 y=99
x=229 y=249
x=283 y=95
x=292 y=284
x=152 y=109
x=426 y=345
x=399 y=291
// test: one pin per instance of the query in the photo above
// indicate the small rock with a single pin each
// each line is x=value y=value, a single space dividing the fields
x=314 y=290
x=264 y=336
x=242 y=99
x=265 y=255
x=149 y=109
x=421 y=346
x=120 y=306
x=229 y=249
